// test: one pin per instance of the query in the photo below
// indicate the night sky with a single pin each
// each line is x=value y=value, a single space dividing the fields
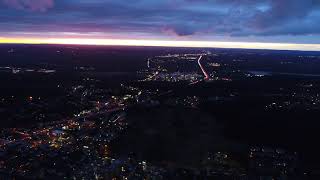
x=272 y=21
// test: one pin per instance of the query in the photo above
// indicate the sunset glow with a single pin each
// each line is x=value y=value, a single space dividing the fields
x=161 y=43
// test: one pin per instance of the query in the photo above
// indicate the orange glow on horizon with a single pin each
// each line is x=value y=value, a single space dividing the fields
x=161 y=43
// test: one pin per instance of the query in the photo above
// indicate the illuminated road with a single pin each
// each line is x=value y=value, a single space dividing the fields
x=206 y=76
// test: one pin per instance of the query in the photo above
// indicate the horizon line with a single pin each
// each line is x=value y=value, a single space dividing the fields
x=162 y=43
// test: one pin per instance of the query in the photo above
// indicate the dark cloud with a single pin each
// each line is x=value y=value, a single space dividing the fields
x=229 y=18
x=284 y=11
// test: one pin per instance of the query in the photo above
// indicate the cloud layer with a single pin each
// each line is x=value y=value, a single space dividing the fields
x=278 y=20
x=33 y=5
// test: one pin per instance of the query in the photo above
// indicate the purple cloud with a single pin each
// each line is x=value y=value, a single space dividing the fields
x=206 y=19
x=33 y=5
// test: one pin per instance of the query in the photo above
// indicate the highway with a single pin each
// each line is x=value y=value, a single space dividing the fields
x=206 y=76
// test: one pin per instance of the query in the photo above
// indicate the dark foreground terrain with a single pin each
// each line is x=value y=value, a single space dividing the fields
x=78 y=112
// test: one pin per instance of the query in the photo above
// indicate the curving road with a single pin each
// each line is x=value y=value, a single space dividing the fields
x=206 y=76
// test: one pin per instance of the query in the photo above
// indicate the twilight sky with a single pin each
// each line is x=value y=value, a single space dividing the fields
x=272 y=21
